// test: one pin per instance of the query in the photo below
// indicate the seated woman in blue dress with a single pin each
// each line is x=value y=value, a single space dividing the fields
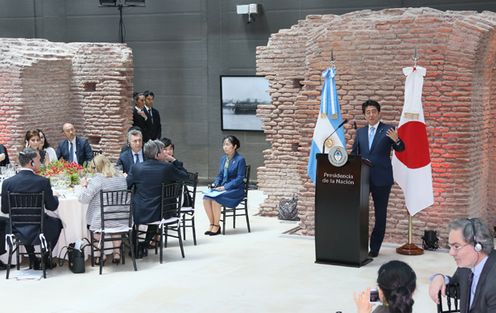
x=229 y=181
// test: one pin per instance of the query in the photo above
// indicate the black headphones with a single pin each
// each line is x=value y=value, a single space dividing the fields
x=477 y=245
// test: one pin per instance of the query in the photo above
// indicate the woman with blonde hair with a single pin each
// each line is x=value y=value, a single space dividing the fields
x=106 y=178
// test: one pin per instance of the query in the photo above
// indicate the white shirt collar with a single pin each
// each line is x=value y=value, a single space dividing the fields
x=477 y=270
x=25 y=169
x=375 y=126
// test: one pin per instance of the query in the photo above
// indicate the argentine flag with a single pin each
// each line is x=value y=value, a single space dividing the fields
x=328 y=120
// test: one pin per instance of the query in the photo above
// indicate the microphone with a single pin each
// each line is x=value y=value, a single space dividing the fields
x=339 y=126
x=356 y=139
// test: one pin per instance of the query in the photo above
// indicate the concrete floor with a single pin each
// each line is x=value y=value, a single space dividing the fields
x=261 y=271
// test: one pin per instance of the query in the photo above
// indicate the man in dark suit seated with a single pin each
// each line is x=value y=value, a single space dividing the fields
x=134 y=154
x=147 y=179
x=153 y=116
x=3 y=227
x=74 y=148
x=374 y=142
x=472 y=246
x=27 y=181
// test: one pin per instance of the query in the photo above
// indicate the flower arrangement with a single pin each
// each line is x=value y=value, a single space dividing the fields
x=63 y=168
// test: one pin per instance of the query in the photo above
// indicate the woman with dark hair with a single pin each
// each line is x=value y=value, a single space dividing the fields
x=44 y=145
x=396 y=283
x=228 y=184
x=32 y=140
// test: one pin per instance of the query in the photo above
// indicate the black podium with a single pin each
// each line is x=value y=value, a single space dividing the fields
x=342 y=212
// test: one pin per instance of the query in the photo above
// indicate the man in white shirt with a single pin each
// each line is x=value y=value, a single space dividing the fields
x=134 y=154
x=73 y=148
x=472 y=247
x=374 y=143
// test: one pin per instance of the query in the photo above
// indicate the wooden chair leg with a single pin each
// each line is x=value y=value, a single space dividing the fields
x=247 y=219
x=180 y=238
x=193 y=227
x=161 y=243
x=224 y=220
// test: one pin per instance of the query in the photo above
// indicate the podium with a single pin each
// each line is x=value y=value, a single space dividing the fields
x=342 y=212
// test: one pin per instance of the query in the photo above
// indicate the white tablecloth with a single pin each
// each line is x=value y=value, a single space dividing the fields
x=72 y=213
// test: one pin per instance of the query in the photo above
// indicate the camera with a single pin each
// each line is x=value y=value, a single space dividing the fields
x=374 y=295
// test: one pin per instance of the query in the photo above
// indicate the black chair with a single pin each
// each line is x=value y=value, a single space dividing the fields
x=452 y=300
x=170 y=218
x=116 y=219
x=188 y=207
x=26 y=210
x=241 y=209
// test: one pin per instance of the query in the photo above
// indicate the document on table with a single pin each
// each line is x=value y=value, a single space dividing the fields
x=213 y=193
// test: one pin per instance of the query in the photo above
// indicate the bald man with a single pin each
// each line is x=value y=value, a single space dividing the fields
x=74 y=148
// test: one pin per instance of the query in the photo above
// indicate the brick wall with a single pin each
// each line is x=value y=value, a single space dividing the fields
x=371 y=48
x=45 y=84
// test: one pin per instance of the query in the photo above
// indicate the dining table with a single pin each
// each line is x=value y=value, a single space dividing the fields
x=72 y=213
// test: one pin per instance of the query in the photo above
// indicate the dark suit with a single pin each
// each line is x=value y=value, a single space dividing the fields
x=155 y=130
x=6 y=160
x=147 y=178
x=126 y=159
x=84 y=153
x=485 y=293
x=3 y=230
x=144 y=125
x=27 y=181
x=381 y=174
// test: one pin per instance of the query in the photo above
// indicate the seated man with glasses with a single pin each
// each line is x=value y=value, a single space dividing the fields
x=472 y=246
x=26 y=181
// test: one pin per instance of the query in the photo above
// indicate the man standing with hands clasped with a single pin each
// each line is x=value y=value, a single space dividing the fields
x=472 y=246
x=374 y=142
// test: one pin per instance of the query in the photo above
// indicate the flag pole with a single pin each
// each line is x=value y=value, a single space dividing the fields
x=410 y=248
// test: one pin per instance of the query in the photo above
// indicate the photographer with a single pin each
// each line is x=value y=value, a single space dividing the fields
x=396 y=283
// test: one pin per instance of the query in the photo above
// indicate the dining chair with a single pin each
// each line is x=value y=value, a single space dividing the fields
x=26 y=210
x=116 y=213
x=241 y=209
x=188 y=207
x=169 y=224
x=451 y=301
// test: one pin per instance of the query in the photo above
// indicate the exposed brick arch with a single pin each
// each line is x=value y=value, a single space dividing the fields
x=45 y=84
x=371 y=48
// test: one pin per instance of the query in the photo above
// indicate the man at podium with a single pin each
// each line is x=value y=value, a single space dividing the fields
x=374 y=142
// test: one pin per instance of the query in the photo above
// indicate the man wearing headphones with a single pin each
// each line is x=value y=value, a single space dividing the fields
x=147 y=178
x=472 y=246
x=27 y=181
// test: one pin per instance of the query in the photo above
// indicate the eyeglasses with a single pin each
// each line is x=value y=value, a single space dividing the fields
x=457 y=247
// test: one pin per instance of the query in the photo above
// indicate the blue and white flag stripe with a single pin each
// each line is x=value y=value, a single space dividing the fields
x=326 y=124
